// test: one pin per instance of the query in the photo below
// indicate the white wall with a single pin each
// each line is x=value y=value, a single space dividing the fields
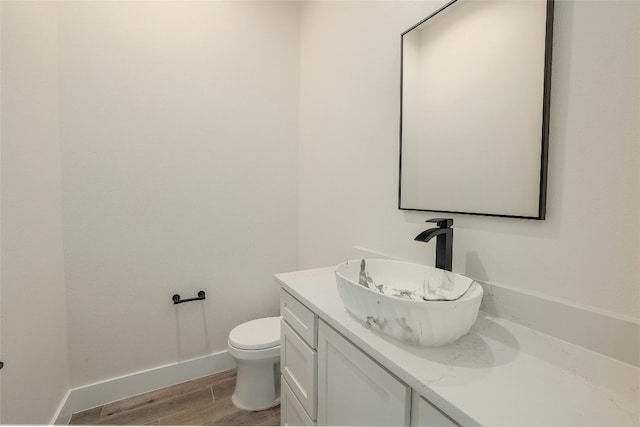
x=181 y=170
x=179 y=125
x=34 y=341
x=586 y=252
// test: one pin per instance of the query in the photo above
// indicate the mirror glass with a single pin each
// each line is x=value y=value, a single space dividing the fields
x=475 y=108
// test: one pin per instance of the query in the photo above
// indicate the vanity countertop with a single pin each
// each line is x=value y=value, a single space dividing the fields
x=500 y=373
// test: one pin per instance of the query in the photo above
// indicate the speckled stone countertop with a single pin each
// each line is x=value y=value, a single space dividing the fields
x=500 y=373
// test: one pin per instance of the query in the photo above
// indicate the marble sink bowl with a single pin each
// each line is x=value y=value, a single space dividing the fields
x=404 y=317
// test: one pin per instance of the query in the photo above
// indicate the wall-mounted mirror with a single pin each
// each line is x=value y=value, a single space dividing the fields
x=475 y=109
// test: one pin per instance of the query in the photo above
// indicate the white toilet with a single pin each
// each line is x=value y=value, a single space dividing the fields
x=255 y=345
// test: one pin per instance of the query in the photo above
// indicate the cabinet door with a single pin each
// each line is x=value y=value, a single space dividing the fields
x=291 y=411
x=355 y=390
x=424 y=414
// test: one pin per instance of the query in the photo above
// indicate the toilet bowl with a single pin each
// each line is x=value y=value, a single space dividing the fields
x=255 y=346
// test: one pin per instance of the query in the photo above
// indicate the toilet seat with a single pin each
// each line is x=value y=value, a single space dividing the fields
x=259 y=334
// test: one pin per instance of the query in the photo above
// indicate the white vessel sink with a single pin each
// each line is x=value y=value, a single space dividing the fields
x=397 y=299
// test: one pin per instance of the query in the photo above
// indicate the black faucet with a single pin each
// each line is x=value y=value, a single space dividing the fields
x=444 y=243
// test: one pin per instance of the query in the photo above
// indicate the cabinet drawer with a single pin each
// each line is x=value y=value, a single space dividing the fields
x=298 y=364
x=291 y=411
x=299 y=317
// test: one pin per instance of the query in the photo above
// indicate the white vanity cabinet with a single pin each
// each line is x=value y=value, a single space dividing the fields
x=363 y=377
x=327 y=380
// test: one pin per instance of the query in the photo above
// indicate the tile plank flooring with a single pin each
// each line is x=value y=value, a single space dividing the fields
x=204 y=401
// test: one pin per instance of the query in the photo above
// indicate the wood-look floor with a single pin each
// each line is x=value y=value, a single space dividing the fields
x=204 y=401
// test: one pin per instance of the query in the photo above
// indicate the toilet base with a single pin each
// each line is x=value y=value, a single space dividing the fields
x=241 y=405
x=257 y=384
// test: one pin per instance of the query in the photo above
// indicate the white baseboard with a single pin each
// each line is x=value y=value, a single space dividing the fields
x=606 y=333
x=93 y=395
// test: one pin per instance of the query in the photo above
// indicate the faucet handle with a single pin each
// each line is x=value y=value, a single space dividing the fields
x=442 y=222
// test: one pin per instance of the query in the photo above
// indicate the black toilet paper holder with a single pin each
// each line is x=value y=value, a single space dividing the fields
x=176 y=298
